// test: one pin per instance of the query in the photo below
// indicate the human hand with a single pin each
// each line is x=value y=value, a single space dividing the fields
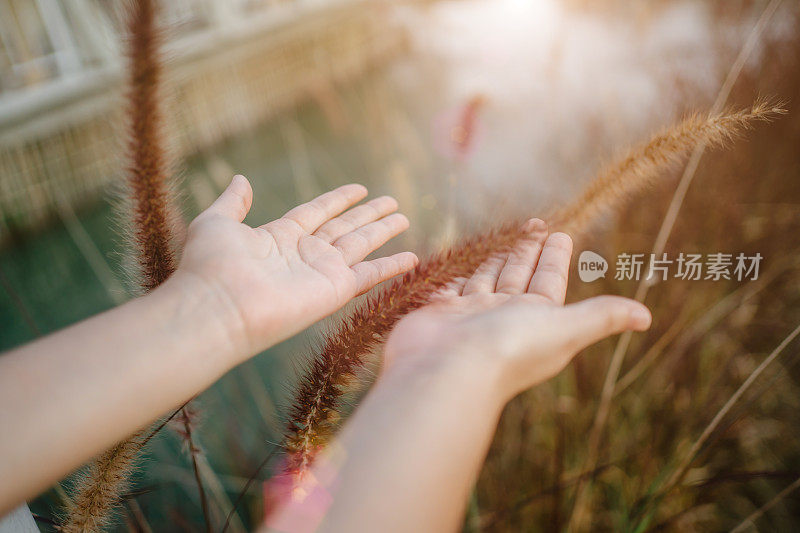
x=508 y=323
x=274 y=280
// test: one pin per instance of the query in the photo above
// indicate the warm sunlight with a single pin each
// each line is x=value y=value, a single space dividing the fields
x=407 y=265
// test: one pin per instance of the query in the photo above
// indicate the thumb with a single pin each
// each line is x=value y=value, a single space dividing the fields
x=602 y=316
x=235 y=201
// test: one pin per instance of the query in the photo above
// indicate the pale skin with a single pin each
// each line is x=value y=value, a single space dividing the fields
x=413 y=448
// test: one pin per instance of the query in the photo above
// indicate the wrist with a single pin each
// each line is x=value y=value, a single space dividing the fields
x=455 y=370
x=206 y=310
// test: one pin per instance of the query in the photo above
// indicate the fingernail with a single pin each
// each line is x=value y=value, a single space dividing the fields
x=535 y=225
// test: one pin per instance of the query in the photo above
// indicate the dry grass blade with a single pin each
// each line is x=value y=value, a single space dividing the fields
x=581 y=510
x=628 y=177
x=700 y=326
x=758 y=513
x=684 y=465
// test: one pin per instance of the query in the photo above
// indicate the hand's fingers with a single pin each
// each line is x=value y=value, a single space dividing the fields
x=313 y=214
x=485 y=277
x=594 y=319
x=358 y=244
x=550 y=277
x=356 y=217
x=452 y=290
x=235 y=200
x=370 y=273
x=521 y=262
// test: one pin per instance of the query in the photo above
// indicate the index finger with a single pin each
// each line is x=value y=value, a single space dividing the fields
x=315 y=213
x=552 y=271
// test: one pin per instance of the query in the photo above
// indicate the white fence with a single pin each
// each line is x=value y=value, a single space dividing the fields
x=232 y=64
x=43 y=41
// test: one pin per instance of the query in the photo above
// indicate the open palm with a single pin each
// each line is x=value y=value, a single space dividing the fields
x=509 y=319
x=281 y=277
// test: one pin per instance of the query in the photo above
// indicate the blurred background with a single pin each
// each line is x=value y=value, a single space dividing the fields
x=462 y=109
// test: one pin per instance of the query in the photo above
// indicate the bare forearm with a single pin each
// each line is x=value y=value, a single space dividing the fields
x=408 y=458
x=79 y=391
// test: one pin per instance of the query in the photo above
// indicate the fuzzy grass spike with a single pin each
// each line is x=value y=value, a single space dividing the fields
x=151 y=235
x=643 y=165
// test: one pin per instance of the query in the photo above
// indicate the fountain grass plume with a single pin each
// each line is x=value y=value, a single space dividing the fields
x=644 y=164
x=152 y=206
x=314 y=412
x=151 y=234
x=97 y=491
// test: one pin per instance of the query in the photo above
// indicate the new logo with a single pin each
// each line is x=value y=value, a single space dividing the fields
x=591 y=266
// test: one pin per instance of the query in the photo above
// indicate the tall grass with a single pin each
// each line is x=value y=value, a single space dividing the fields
x=315 y=409
x=703 y=428
x=581 y=512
